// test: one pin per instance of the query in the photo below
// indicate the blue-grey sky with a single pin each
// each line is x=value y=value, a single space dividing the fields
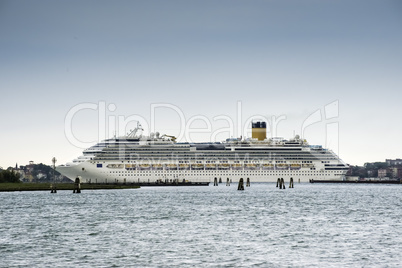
x=206 y=58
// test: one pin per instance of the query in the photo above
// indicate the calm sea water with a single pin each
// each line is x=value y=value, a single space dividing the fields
x=310 y=225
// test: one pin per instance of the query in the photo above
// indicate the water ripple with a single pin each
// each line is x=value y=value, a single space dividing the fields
x=310 y=225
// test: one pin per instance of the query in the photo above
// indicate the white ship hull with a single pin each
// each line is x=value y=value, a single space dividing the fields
x=88 y=172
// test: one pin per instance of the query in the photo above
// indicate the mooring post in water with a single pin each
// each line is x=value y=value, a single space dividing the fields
x=53 y=188
x=77 y=186
x=220 y=179
x=216 y=181
x=227 y=182
x=248 y=182
x=291 y=183
x=278 y=182
x=241 y=185
x=299 y=180
x=283 y=184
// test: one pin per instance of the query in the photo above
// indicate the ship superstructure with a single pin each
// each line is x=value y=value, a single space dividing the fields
x=137 y=158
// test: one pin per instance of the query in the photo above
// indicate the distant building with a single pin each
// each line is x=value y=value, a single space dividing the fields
x=396 y=172
x=382 y=172
x=393 y=162
x=41 y=176
x=21 y=172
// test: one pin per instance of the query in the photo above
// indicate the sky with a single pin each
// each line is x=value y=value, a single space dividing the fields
x=75 y=72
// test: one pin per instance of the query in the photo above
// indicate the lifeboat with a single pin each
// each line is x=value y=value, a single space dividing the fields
x=171 y=166
x=308 y=165
x=130 y=166
x=210 y=166
x=282 y=166
x=223 y=166
x=267 y=166
x=144 y=166
x=237 y=166
x=197 y=166
x=295 y=166
x=184 y=166
x=250 y=166
x=157 y=167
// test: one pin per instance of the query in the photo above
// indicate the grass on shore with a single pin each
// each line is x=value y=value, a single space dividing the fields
x=11 y=187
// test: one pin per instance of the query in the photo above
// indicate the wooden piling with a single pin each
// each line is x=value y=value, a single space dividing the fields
x=282 y=184
x=220 y=180
x=216 y=181
x=248 y=182
x=77 y=186
x=227 y=182
x=291 y=183
x=240 y=187
x=278 y=182
x=53 y=189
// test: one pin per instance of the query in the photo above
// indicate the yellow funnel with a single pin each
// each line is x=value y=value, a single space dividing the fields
x=259 y=131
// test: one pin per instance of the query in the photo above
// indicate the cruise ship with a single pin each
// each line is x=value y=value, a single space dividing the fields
x=136 y=158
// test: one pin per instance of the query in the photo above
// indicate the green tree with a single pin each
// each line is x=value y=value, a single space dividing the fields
x=375 y=165
x=359 y=171
x=9 y=176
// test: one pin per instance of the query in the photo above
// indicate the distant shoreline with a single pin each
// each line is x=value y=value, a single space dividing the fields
x=22 y=187
x=359 y=181
x=25 y=187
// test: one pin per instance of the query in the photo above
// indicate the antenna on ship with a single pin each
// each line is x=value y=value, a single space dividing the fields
x=133 y=133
